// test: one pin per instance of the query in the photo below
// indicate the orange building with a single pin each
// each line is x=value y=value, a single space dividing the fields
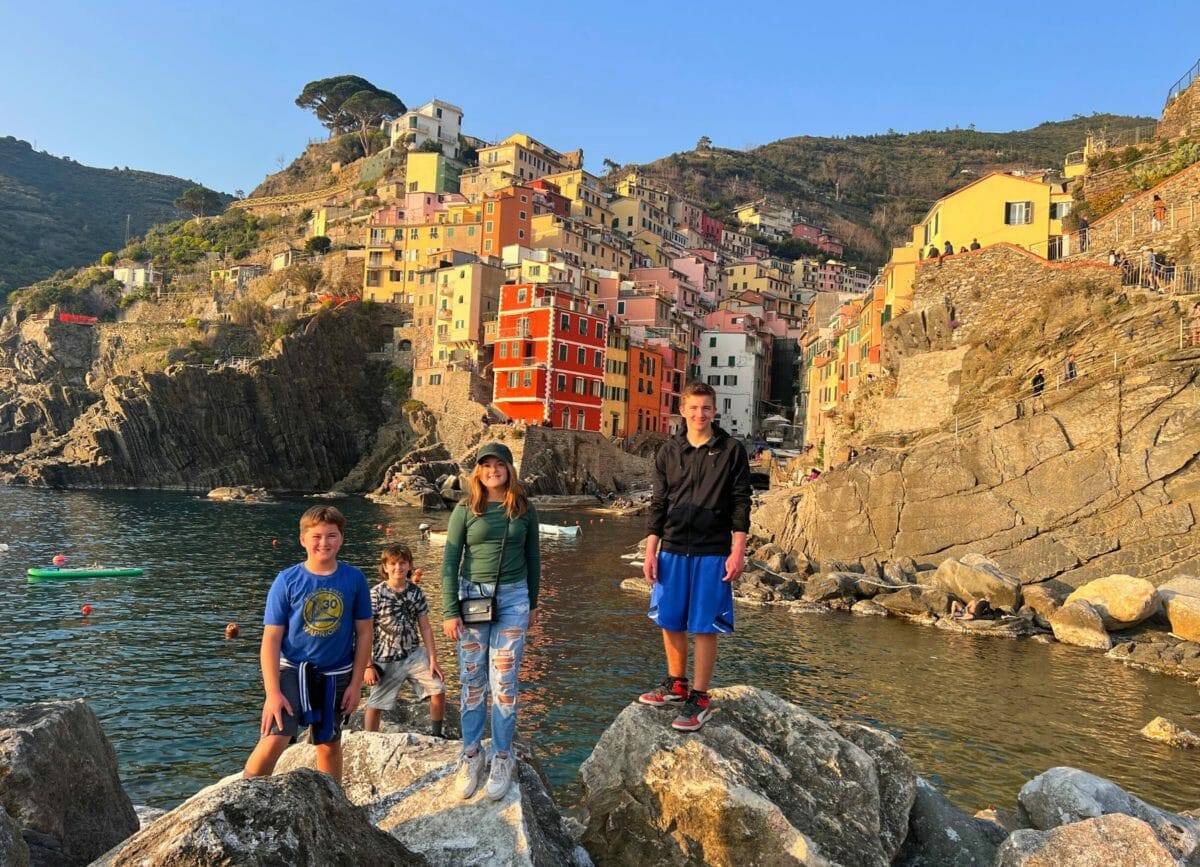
x=645 y=390
x=507 y=214
x=548 y=357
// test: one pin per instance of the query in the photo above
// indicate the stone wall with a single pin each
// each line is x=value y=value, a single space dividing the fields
x=1128 y=228
x=556 y=461
x=993 y=285
x=1181 y=116
x=926 y=392
x=460 y=403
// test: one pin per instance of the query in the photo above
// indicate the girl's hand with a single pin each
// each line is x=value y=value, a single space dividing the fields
x=453 y=628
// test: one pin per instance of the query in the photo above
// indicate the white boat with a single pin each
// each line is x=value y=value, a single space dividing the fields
x=3 y=547
x=438 y=537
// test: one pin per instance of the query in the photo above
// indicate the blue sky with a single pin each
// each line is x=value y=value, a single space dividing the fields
x=206 y=91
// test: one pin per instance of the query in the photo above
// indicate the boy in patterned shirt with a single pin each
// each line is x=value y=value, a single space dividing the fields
x=401 y=626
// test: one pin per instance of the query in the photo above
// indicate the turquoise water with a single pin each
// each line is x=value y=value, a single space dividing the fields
x=181 y=704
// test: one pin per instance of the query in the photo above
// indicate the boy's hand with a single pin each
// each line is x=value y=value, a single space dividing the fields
x=453 y=628
x=370 y=677
x=351 y=697
x=650 y=567
x=274 y=708
x=434 y=670
x=734 y=564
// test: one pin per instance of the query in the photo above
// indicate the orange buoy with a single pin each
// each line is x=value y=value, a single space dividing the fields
x=231 y=630
x=59 y=559
x=274 y=543
x=87 y=609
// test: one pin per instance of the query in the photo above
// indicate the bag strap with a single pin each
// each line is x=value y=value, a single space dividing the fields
x=500 y=564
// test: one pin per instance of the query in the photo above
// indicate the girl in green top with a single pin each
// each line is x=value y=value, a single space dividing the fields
x=491 y=550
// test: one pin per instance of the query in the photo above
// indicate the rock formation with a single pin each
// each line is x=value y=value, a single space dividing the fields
x=299 y=818
x=59 y=782
x=1104 y=481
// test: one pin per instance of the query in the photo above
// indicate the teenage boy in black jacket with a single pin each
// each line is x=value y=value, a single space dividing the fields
x=698 y=520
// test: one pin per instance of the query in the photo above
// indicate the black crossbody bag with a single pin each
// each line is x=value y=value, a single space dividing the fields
x=484 y=609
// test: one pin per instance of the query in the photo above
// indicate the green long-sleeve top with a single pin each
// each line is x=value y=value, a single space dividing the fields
x=473 y=551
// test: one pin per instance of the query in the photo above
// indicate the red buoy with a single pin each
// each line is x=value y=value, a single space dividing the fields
x=87 y=609
x=59 y=559
x=274 y=543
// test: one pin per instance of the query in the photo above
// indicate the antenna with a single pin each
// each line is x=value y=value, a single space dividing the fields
x=127 y=218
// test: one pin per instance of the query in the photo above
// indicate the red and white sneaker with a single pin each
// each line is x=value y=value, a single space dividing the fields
x=673 y=690
x=695 y=713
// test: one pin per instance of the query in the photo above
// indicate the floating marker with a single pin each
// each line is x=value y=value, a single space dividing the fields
x=274 y=543
x=87 y=609
x=231 y=630
x=59 y=559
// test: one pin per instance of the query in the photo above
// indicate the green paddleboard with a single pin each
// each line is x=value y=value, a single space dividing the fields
x=38 y=575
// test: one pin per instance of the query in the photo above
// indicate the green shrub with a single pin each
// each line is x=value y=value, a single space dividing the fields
x=411 y=406
x=108 y=258
x=192 y=322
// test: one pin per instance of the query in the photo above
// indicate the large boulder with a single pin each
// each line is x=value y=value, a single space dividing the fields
x=941 y=835
x=1061 y=796
x=1163 y=730
x=14 y=852
x=1121 y=601
x=300 y=818
x=1080 y=624
x=59 y=782
x=764 y=782
x=1106 y=841
x=1044 y=599
x=976 y=577
x=916 y=602
x=405 y=782
x=831 y=585
x=1181 y=603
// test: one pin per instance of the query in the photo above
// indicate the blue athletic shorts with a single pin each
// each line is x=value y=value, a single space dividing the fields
x=690 y=595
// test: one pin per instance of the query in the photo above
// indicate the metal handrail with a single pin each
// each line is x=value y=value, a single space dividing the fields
x=1184 y=82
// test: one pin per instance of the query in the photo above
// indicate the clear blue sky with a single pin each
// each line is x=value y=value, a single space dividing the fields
x=206 y=90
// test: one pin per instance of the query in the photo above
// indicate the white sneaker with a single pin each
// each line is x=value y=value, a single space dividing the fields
x=501 y=776
x=470 y=771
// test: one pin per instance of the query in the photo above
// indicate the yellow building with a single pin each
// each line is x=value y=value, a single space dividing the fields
x=590 y=246
x=583 y=189
x=634 y=186
x=757 y=277
x=631 y=215
x=398 y=253
x=464 y=297
x=613 y=413
x=431 y=173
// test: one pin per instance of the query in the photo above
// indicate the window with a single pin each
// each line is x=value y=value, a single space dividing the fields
x=562 y=352
x=522 y=214
x=595 y=388
x=728 y=403
x=712 y=342
x=1018 y=213
x=730 y=380
x=487 y=244
x=579 y=384
x=565 y=322
x=599 y=359
x=562 y=382
x=649 y=386
x=491 y=209
x=620 y=307
x=489 y=226
x=521 y=295
x=599 y=331
x=713 y=362
x=641 y=386
x=732 y=361
x=528 y=378
x=1058 y=210
x=513 y=379
x=412 y=187
x=582 y=326
x=579 y=419
x=566 y=417
x=581 y=356
x=516 y=349
x=714 y=380
x=504 y=350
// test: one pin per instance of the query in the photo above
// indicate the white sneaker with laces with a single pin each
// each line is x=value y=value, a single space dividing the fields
x=501 y=776
x=470 y=772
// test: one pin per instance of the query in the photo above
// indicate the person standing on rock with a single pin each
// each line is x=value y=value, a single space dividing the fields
x=492 y=553
x=316 y=645
x=696 y=547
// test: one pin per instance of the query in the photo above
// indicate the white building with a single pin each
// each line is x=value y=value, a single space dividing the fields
x=733 y=364
x=137 y=276
x=434 y=121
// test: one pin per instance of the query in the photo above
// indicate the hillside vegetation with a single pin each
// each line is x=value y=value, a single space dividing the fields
x=870 y=189
x=56 y=213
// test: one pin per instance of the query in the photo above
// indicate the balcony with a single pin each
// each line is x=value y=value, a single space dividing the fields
x=445 y=313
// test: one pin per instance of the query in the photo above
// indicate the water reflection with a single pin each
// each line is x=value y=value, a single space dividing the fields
x=181 y=703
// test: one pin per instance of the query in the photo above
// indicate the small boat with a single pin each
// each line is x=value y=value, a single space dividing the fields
x=3 y=547
x=52 y=574
x=438 y=537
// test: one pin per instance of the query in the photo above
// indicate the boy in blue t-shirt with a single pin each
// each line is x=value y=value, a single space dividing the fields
x=316 y=646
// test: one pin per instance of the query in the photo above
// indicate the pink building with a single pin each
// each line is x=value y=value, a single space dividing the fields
x=420 y=208
x=829 y=276
x=711 y=228
x=701 y=272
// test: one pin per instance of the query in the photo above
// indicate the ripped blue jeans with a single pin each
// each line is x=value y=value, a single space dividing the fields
x=489 y=656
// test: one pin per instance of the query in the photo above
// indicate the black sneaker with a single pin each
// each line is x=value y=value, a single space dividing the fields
x=673 y=690
x=695 y=713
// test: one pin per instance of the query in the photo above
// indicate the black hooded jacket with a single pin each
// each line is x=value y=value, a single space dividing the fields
x=701 y=495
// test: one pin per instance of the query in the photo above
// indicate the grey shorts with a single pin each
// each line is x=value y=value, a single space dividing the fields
x=415 y=668
x=289 y=685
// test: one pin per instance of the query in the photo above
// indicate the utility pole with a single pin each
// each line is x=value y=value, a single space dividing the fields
x=127 y=218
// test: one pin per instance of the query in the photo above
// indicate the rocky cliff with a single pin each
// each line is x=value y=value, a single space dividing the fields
x=300 y=417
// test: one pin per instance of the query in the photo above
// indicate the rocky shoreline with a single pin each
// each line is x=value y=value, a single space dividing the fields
x=765 y=782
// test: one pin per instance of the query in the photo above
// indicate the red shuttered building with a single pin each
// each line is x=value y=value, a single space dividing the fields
x=548 y=357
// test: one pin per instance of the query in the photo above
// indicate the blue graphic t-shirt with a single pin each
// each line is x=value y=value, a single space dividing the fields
x=318 y=613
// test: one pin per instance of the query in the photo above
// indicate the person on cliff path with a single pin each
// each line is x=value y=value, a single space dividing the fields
x=315 y=647
x=492 y=551
x=695 y=548
x=397 y=656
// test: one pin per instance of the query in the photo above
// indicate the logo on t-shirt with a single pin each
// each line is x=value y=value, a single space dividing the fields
x=323 y=612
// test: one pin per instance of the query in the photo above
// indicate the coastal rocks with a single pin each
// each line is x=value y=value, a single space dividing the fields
x=1080 y=624
x=1043 y=600
x=868 y=608
x=299 y=818
x=59 y=782
x=916 y=602
x=1162 y=729
x=764 y=782
x=831 y=585
x=405 y=784
x=13 y=850
x=241 y=494
x=1061 y=796
x=941 y=835
x=976 y=577
x=1001 y=627
x=1181 y=604
x=1101 y=842
x=1160 y=652
x=1121 y=601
